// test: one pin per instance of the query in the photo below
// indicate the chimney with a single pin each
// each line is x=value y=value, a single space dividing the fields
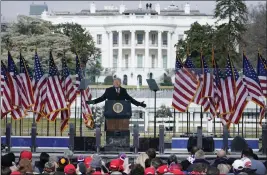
x=187 y=8
x=92 y=8
x=157 y=8
x=122 y=8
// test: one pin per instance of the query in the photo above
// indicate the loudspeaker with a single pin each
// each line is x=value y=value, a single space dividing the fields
x=238 y=144
x=207 y=143
x=192 y=141
x=146 y=143
x=84 y=144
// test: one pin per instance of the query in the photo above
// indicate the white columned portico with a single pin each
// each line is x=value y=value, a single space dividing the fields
x=169 y=50
x=133 y=60
x=147 y=60
x=120 y=50
x=110 y=49
x=160 y=61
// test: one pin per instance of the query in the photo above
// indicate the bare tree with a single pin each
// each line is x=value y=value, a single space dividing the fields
x=255 y=37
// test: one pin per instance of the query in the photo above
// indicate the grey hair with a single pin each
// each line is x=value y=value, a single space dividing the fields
x=200 y=154
x=117 y=79
x=223 y=168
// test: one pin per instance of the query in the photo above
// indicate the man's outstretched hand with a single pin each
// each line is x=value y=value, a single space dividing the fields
x=143 y=104
x=90 y=102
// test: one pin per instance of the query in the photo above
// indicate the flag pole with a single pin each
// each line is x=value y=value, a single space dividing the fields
x=201 y=109
x=20 y=121
x=0 y=93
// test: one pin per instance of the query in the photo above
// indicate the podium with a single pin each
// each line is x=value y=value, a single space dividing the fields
x=117 y=114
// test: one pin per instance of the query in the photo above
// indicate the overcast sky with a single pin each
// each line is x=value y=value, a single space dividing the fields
x=10 y=9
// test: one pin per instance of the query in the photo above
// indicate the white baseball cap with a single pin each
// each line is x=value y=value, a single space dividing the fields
x=247 y=162
x=238 y=165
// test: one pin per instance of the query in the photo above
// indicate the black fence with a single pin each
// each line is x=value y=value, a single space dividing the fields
x=177 y=125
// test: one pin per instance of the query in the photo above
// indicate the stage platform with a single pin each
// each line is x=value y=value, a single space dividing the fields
x=177 y=143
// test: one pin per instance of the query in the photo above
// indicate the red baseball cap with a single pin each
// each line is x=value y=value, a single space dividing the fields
x=116 y=164
x=87 y=161
x=162 y=169
x=16 y=173
x=150 y=170
x=26 y=155
x=69 y=169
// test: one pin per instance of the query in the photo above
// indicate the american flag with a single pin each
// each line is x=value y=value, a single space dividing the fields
x=185 y=87
x=6 y=90
x=26 y=81
x=240 y=102
x=21 y=100
x=228 y=88
x=85 y=95
x=207 y=89
x=197 y=99
x=252 y=83
x=217 y=74
x=214 y=101
x=262 y=74
x=55 y=98
x=12 y=70
x=69 y=92
x=39 y=88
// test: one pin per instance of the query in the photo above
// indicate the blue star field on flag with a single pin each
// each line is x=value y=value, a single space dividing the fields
x=4 y=71
x=38 y=71
x=12 y=66
x=52 y=66
x=261 y=67
x=249 y=70
x=65 y=68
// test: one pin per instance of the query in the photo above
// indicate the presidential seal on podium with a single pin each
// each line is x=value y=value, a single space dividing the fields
x=118 y=108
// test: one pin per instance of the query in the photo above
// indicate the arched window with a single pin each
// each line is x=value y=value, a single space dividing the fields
x=150 y=75
x=139 y=80
x=125 y=81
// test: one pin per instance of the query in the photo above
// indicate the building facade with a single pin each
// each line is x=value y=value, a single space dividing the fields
x=135 y=44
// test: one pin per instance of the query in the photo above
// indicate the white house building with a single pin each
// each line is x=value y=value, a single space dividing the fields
x=137 y=43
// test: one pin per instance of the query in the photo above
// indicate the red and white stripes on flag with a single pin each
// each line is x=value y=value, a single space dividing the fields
x=207 y=89
x=69 y=92
x=86 y=110
x=252 y=83
x=204 y=102
x=26 y=81
x=39 y=84
x=6 y=90
x=185 y=87
x=227 y=97
x=240 y=103
x=55 y=98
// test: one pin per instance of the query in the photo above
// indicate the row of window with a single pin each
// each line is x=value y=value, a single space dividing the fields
x=139 y=61
x=140 y=38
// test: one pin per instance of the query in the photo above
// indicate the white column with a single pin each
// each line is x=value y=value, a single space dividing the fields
x=147 y=59
x=120 y=50
x=111 y=49
x=133 y=60
x=169 y=59
x=160 y=61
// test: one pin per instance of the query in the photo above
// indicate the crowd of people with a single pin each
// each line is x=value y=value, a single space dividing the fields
x=145 y=164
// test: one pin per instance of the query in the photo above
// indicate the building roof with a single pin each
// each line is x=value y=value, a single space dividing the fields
x=171 y=10
x=38 y=9
x=140 y=11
